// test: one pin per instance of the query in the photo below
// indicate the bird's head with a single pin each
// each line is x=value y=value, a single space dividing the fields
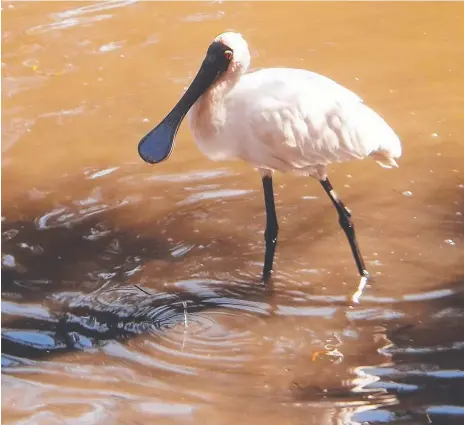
x=227 y=57
x=235 y=49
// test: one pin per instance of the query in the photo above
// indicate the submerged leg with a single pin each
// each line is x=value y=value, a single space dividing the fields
x=272 y=227
x=347 y=225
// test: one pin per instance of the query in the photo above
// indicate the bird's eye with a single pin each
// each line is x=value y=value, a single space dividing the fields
x=228 y=54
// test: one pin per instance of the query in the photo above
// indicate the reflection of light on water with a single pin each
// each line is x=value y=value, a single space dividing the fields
x=101 y=173
x=374 y=395
x=116 y=349
x=431 y=295
x=8 y=261
x=180 y=250
x=14 y=131
x=14 y=85
x=64 y=113
x=214 y=194
x=375 y=414
x=66 y=23
x=200 y=17
x=165 y=408
x=286 y=310
x=97 y=7
x=34 y=339
x=192 y=176
x=68 y=216
x=35 y=311
x=73 y=17
x=458 y=345
x=109 y=47
x=445 y=410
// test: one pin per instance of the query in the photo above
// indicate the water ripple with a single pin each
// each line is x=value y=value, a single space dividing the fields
x=97 y=7
x=214 y=194
x=65 y=23
x=69 y=216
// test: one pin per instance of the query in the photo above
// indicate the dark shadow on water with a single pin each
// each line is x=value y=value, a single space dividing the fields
x=81 y=258
x=68 y=288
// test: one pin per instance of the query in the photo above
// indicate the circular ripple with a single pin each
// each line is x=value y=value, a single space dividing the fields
x=216 y=334
x=183 y=331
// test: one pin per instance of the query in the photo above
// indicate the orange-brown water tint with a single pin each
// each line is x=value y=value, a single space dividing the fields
x=200 y=340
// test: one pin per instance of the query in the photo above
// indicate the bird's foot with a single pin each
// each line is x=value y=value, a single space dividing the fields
x=362 y=284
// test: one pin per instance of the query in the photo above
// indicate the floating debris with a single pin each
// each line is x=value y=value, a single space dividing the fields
x=184 y=304
x=407 y=193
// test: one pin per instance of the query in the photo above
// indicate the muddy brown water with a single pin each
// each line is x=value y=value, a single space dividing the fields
x=84 y=220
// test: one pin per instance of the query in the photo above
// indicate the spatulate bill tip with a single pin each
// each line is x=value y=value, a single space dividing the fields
x=156 y=146
x=153 y=156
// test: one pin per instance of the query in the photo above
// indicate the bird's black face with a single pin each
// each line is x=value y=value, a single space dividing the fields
x=218 y=56
x=157 y=145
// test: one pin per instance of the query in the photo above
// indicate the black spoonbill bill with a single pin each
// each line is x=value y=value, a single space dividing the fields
x=276 y=119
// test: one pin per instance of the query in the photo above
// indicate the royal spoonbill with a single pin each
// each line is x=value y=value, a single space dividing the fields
x=276 y=119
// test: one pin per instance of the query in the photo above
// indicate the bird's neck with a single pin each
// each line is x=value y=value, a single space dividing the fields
x=208 y=114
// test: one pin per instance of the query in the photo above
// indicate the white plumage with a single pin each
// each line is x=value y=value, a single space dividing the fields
x=286 y=119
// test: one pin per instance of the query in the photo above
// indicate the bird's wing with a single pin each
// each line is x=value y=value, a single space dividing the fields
x=296 y=78
x=296 y=119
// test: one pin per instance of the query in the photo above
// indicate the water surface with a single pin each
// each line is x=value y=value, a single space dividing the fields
x=130 y=292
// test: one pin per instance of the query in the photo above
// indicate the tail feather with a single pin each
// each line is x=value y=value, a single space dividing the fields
x=384 y=159
x=382 y=143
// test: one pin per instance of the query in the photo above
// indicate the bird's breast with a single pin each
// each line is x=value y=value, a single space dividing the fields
x=201 y=120
x=207 y=122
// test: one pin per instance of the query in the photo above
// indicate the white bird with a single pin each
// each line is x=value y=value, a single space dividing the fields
x=276 y=119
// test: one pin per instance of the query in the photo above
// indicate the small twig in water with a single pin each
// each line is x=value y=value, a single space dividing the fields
x=184 y=303
x=142 y=290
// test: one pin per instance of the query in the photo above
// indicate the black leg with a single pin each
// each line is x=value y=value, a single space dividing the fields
x=347 y=225
x=272 y=227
